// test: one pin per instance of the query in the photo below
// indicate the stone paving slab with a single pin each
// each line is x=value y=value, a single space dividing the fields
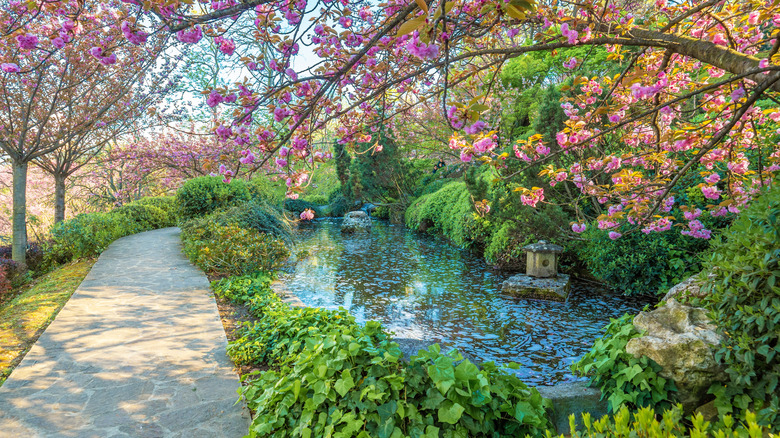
x=138 y=351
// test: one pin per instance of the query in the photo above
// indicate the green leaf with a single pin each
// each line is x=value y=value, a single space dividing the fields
x=344 y=384
x=450 y=412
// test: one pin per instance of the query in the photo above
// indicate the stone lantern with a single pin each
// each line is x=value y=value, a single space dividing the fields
x=542 y=259
x=541 y=280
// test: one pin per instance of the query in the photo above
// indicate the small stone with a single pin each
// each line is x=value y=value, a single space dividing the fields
x=525 y=286
x=356 y=221
x=683 y=341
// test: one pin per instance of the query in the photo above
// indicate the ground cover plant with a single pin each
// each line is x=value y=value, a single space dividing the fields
x=332 y=376
x=26 y=316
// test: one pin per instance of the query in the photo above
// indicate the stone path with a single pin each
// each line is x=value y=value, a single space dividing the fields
x=138 y=351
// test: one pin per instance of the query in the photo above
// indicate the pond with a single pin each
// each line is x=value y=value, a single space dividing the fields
x=424 y=288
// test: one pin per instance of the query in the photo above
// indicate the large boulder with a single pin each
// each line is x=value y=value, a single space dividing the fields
x=683 y=341
x=355 y=222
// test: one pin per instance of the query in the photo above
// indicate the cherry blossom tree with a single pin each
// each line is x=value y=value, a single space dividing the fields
x=692 y=74
x=56 y=84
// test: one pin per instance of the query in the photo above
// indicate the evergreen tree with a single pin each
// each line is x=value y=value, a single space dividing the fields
x=551 y=117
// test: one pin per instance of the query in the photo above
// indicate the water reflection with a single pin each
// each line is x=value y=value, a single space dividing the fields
x=422 y=288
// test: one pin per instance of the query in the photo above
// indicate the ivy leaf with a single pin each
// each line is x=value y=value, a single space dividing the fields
x=450 y=412
x=344 y=384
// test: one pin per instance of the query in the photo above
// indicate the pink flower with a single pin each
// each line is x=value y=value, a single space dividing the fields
x=190 y=36
x=691 y=215
x=307 y=215
x=27 y=41
x=764 y=63
x=58 y=42
x=614 y=235
x=484 y=145
x=420 y=49
x=713 y=178
x=614 y=118
x=281 y=162
x=9 y=67
x=477 y=127
x=571 y=63
x=579 y=228
x=138 y=37
x=720 y=39
x=97 y=52
x=214 y=99
x=225 y=45
x=108 y=60
x=710 y=192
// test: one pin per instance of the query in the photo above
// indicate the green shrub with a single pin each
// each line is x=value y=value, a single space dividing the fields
x=165 y=203
x=255 y=215
x=623 y=379
x=639 y=263
x=448 y=211
x=645 y=423
x=299 y=205
x=745 y=302
x=232 y=250
x=143 y=217
x=316 y=199
x=338 y=207
x=87 y=235
x=203 y=195
x=265 y=191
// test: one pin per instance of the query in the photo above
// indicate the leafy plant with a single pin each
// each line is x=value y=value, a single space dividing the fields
x=623 y=379
x=745 y=302
x=5 y=279
x=645 y=422
x=448 y=211
x=203 y=195
x=337 y=378
x=254 y=215
x=165 y=203
x=87 y=235
x=143 y=217
x=641 y=264
x=232 y=250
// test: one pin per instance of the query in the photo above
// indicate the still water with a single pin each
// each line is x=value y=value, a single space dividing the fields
x=423 y=288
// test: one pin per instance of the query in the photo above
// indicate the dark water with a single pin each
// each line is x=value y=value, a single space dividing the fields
x=423 y=288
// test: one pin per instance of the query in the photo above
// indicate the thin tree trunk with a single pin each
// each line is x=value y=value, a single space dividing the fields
x=59 y=198
x=19 y=239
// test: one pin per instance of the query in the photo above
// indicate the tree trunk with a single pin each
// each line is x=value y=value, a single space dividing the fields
x=19 y=239
x=59 y=198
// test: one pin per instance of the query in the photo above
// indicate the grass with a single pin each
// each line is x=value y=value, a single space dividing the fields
x=25 y=317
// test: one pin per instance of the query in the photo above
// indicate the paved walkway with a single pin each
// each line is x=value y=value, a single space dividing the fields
x=138 y=351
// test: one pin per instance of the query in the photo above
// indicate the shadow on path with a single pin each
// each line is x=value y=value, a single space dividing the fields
x=138 y=351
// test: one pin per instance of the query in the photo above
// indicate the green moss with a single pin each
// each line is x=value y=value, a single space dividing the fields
x=23 y=319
